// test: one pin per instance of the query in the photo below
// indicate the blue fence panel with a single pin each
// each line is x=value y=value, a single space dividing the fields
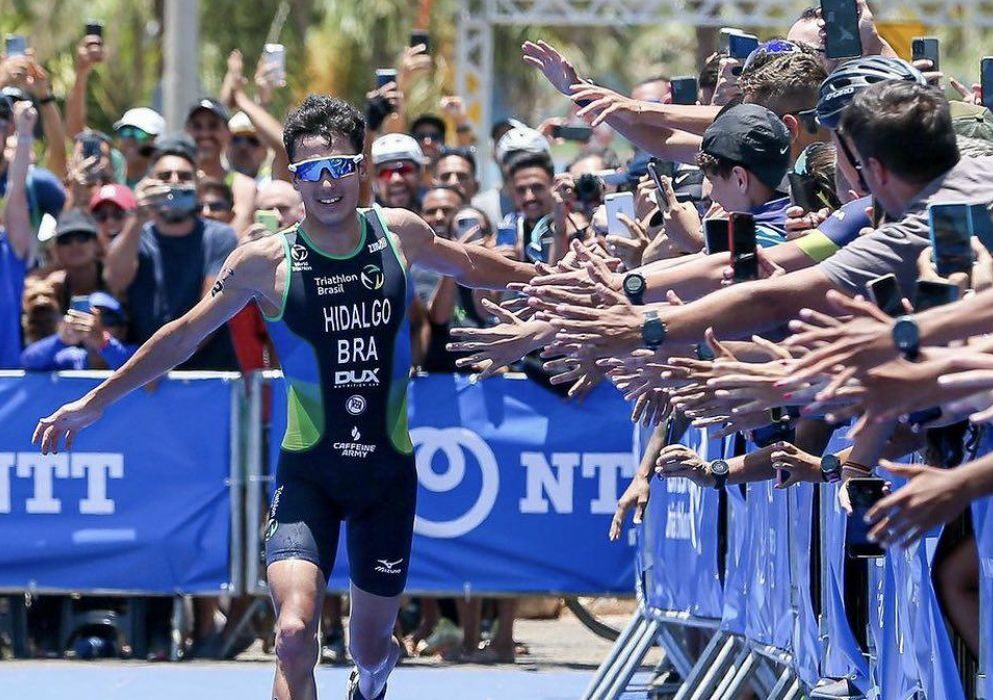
x=982 y=523
x=141 y=503
x=770 y=619
x=805 y=643
x=517 y=487
x=915 y=653
x=681 y=537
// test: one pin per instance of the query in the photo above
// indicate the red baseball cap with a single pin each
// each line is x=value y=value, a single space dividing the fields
x=116 y=193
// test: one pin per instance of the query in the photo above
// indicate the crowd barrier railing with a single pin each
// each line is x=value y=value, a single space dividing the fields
x=768 y=634
x=167 y=493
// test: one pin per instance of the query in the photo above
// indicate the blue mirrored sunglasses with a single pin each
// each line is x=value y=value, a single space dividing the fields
x=337 y=167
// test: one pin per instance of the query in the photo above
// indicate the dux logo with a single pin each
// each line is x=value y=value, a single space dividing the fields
x=372 y=277
x=388 y=567
x=453 y=443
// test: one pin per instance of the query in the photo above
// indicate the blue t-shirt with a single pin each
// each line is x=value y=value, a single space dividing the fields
x=170 y=281
x=46 y=196
x=770 y=222
x=12 y=272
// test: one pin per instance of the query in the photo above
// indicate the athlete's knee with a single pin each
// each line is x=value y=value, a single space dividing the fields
x=370 y=653
x=296 y=643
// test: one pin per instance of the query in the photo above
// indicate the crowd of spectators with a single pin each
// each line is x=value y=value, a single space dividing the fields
x=818 y=172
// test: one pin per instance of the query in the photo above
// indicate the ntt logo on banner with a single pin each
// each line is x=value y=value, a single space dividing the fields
x=46 y=470
x=442 y=455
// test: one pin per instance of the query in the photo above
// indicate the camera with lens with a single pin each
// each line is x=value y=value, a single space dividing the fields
x=589 y=189
x=178 y=203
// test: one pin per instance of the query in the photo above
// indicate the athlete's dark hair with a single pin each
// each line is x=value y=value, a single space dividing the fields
x=322 y=115
x=530 y=160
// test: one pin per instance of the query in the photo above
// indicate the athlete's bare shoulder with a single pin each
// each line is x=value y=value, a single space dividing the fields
x=256 y=266
x=411 y=231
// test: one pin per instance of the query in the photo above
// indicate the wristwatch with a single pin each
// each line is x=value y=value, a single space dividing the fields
x=703 y=352
x=907 y=337
x=830 y=468
x=719 y=469
x=652 y=330
x=634 y=288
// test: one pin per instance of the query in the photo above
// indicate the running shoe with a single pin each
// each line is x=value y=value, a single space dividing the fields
x=353 y=688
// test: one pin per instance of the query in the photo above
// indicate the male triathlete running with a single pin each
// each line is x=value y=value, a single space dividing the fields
x=335 y=290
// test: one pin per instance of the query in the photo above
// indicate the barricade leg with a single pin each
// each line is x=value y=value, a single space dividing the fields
x=709 y=669
x=675 y=651
x=783 y=685
x=619 y=656
x=179 y=625
x=764 y=678
x=735 y=679
x=628 y=663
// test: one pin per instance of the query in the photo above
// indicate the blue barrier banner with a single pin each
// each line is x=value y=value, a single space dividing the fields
x=982 y=524
x=805 y=641
x=680 y=538
x=737 y=573
x=915 y=653
x=140 y=504
x=517 y=487
x=842 y=656
x=770 y=618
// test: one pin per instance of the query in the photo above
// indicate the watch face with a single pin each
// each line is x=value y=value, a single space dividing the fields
x=905 y=334
x=654 y=335
x=634 y=284
x=830 y=464
x=719 y=467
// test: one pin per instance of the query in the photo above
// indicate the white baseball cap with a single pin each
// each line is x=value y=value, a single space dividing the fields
x=521 y=138
x=241 y=124
x=390 y=147
x=144 y=118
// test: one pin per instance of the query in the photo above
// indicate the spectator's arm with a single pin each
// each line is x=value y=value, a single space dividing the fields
x=244 y=191
x=39 y=356
x=442 y=302
x=121 y=262
x=17 y=213
x=51 y=119
x=88 y=53
x=269 y=130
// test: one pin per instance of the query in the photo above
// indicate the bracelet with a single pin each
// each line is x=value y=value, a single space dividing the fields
x=847 y=464
x=47 y=99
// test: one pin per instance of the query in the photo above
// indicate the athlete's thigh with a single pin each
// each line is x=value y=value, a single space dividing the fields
x=379 y=535
x=304 y=522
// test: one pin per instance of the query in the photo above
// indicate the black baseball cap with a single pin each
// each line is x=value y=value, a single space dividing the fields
x=75 y=221
x=211 y=105
x=176 y=145
x=751 y=136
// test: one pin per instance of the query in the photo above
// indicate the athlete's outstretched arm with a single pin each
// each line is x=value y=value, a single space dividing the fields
x=470 y=265
x=171 y=345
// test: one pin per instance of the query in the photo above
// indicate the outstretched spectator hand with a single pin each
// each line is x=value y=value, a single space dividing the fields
x=554 y=66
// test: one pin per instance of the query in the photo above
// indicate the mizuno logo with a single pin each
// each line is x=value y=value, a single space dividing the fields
x=388 y=567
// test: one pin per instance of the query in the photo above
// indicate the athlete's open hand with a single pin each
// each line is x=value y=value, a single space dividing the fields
x=65 y=422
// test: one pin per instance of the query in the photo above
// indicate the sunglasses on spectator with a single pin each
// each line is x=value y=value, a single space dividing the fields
x=74 y=237
x=107 y=213
x=243 y=140
x=133 y=132
x=337 y=167
x=216 y=206
x=180 y=175
x=428 y=136
x=402 y=168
